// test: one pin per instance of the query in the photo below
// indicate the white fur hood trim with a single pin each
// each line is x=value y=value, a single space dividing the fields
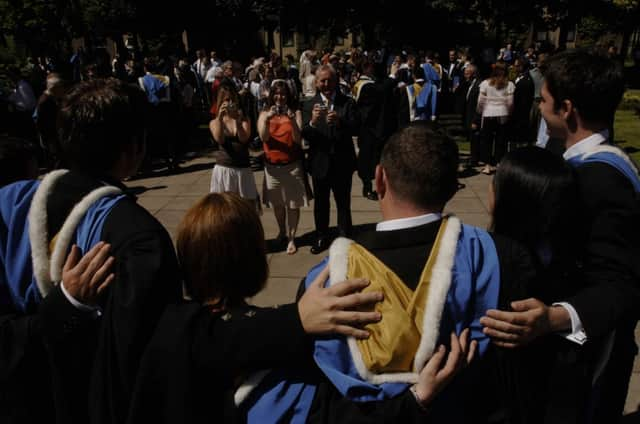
x=438 y=289
x=48 y=272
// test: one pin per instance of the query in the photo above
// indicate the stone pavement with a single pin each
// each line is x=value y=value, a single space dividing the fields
x=167 y=197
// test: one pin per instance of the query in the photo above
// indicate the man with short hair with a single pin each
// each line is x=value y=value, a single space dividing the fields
x=580 y=94
x=331 y=120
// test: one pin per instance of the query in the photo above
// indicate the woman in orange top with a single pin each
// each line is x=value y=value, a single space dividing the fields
x=279 y=129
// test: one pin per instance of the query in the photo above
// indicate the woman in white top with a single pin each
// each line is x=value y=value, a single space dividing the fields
x=494 y=105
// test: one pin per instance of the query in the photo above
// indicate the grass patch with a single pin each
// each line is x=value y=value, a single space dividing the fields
x=627 y=128
x=627 y=132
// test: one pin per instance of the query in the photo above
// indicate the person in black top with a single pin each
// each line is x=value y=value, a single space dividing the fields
x=522 y=100
x=375 y=106
x=544 y=381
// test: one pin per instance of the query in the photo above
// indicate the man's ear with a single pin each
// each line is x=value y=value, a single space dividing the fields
x=380 y=181
x=567 y=109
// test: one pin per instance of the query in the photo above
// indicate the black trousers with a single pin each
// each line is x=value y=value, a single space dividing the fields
x=340 y=184
x=474 y=143
x=369 y=151
x=493 y=139
x=614 y=382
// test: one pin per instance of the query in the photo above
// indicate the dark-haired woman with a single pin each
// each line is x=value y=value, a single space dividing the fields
x=279 y=129
x=204 y=349
x=534 y=200
x=494 y=106
x=231 y=129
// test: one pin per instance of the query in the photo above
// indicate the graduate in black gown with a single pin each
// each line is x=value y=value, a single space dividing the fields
x=580 y=94
x=545 y=381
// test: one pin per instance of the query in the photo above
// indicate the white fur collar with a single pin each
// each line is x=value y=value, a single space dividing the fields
x=48 y=272
x=438 y=290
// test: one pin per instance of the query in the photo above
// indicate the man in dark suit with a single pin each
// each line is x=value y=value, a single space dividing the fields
x=331 y=119
x=376 y=108
x=522 y=101
x=451 y=80
x=470 y=89
x=580 y=94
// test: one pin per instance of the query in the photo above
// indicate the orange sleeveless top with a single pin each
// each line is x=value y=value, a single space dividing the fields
x=280 y=147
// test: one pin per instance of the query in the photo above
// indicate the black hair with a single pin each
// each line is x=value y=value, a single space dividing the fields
x=16 y=155
x=536 y=200
x=98 y=119
x=421 y=164
x=591 y=81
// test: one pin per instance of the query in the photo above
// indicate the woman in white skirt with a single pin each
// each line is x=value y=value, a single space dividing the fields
x=231 y=130
x=279 y=129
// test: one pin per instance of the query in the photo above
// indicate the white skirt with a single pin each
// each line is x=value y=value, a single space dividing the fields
x=284 y=185
x=236 y=180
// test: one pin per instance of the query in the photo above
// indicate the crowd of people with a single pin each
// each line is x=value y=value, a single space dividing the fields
x=424 y=319
x=329 y=97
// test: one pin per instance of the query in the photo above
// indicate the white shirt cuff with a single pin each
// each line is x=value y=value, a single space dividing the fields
x=79 y=305
x=577 y=334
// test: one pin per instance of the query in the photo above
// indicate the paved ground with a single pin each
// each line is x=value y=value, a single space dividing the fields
x=169 y=196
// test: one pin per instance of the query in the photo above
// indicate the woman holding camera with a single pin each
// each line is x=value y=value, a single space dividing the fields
x=279 y=129
x=231 y=130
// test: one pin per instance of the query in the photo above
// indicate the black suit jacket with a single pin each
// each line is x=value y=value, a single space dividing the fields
x=471 y=115
x=194 y=360
x=377 y=111
x=611 y=212
x=450 y=73
x=522 y=100
x=331 y=146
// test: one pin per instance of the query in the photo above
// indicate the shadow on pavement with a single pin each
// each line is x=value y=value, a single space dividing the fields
x=138 y=190
x=308 y=238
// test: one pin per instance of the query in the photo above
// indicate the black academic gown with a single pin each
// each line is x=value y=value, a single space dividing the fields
x=95 y=361
x=522 y=101
x=25 y=380
x=405 y=252
x=196 y=359
x=610 y=298
x=377 y=116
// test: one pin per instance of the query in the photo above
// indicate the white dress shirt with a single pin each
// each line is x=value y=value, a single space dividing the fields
x=586 y=144
x=404 y=223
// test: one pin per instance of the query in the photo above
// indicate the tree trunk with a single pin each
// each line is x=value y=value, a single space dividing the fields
x=630 y=27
